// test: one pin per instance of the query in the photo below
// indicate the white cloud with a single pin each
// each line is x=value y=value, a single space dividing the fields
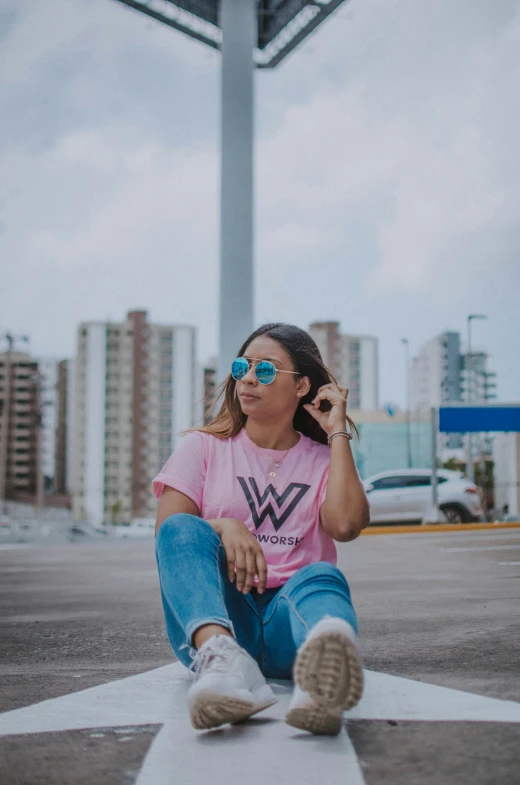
x=117 y=215
x=387 y=161
x=93 y=29
x=435 y=180
x=452 y=215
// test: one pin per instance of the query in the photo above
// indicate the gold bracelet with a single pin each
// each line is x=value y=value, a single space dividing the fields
x=346 y=434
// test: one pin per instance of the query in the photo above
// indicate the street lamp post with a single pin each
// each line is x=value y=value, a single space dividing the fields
x=250 y=33
x=470 y=471
x=36 y=381
x=406 y=343
x=239 y=34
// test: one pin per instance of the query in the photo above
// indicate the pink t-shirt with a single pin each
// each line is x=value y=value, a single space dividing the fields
x=229 y=478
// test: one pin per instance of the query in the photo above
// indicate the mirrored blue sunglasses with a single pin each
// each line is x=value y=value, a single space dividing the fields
x=265 y=370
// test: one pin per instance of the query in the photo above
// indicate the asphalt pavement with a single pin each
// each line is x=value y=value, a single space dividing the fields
x=436 y=608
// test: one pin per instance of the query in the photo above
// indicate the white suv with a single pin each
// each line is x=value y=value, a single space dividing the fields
x=406 y=495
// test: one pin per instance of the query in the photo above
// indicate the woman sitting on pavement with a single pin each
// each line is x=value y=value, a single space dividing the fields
x=250 y=506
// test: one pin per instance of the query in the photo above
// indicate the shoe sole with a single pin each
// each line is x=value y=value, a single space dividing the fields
x=211 y=710
x=329 y=668
x=318 y=720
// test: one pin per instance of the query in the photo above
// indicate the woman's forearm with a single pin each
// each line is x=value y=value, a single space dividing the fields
x=345 y=511
x=217 y=524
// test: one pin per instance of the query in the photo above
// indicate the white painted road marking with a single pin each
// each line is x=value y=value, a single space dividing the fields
x=454 y=536
x=509 y=563
x=475 y=535
x=268 y=745
x=395 y=698
x=15 y=546
x=159 y=697
x=483 y=548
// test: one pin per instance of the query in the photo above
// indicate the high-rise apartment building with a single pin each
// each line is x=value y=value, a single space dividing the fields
x=478 y=387
x=65 y=430
x=439 y=376
x=209 y=384
x=435 y=380
x=354 y=361
x=135 y=392
x=360 y=371
x=48 y=369
x=328 y=340
x=206 y=375
x=34 y=460
x=435 y=377
x=474 y=372
x=19 y=426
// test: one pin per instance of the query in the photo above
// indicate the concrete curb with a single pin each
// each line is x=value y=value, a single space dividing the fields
x=438 y=527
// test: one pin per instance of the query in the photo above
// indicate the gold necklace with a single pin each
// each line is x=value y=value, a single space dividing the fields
x=275 y=464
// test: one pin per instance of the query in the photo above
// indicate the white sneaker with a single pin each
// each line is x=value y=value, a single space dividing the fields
x=328 y=675
x=306 y=714
x=229 y=686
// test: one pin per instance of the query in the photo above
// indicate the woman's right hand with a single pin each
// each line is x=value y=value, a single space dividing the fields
x=243 y=553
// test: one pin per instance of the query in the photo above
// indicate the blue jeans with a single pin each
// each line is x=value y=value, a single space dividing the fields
x=196 y=590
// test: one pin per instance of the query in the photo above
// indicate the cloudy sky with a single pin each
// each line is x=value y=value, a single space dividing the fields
x=387 y=176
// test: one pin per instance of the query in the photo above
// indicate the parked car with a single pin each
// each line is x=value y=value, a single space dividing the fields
x=138 y=528
x=87 y=529
x=406 y=495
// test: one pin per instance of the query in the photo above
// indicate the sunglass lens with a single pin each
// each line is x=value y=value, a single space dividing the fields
x=265 y=372
x=239 y=368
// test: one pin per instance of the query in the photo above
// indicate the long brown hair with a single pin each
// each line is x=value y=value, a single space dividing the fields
x=307 y=361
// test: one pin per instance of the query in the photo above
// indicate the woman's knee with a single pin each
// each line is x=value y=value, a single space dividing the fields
x=322 y=572
x=324 y=568
x=183 y=529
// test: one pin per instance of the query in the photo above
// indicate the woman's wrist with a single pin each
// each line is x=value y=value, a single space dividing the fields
x=339 y=436
x=216 y=525
x=338 y=428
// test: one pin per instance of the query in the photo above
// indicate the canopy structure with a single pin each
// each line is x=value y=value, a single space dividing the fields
x=250 y=34
x=281 y=24
x=464 y=418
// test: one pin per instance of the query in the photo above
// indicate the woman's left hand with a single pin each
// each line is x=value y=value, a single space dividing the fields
x=335 y=419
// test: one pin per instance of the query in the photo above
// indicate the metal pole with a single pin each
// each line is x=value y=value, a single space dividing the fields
x=39 y=444
x=434 y=430
x=239 y=33
x=408 y=414
x=469 y=468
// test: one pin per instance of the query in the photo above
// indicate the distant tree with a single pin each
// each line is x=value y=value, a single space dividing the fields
x=485 y=479
x=455 y=465
x=115 y=509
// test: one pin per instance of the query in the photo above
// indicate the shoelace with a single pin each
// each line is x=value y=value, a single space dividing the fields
x=217 y=656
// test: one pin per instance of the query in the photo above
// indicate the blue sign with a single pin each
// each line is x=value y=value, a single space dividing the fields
x=466 y=419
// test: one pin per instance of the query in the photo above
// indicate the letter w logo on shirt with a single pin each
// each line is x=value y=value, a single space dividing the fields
x=255 y=501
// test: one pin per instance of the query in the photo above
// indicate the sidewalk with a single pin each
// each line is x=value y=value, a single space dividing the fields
x=437 y=609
